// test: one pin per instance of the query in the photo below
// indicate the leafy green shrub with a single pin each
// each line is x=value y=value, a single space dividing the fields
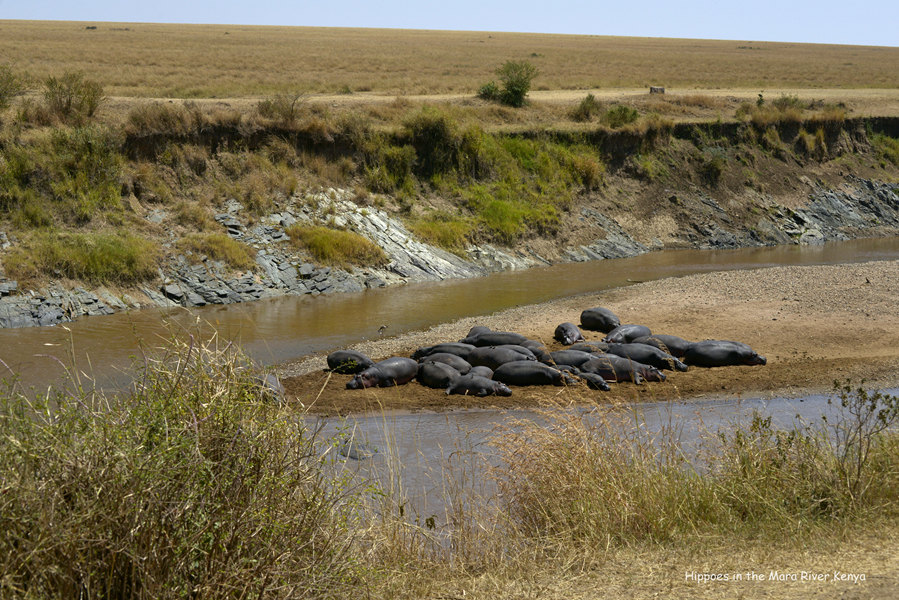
x=714 y=160
x=588 y=108
x=336 y=247
x=71 y=97
x=219 y=246
x=515 y=77
x=489 y=91
x=86 y=170
x=98 y=258
x=194 y=485
x=619 y=116
x=11 y=85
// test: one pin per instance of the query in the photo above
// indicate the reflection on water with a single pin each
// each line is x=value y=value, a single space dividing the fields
x=282 y=329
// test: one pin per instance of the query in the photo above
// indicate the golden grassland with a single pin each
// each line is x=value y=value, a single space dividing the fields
x=217 y=61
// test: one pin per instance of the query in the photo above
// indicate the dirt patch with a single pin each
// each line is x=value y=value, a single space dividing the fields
x=814 y=324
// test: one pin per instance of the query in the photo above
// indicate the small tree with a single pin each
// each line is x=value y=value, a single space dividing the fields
x=72 y=98
x=11 y=85
x=516 y=77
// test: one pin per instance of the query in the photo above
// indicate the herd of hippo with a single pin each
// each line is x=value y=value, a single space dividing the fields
x=487 y=362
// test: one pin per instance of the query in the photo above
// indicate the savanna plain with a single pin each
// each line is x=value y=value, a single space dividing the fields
x=194 y=484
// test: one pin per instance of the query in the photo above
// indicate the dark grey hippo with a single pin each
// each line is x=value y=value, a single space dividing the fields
x=530 y=373
x=456 y=362
x=539 y=349
x=615 y=368
x=436 y=375
x=624 y=334
x=475 y=385
x=671 y=344
x=594 y=381
x=356 y=450
x=270 y=387
x=494 y=338
x=575 y=358
x=478 y=330
x=396 y=370
x=348 y=362
x=494 y=356
x=461 y=350
x=721 y=353
x=648 y=355
x=482 y=371
x=599 y=319
x=594 y=347
x=568 y=333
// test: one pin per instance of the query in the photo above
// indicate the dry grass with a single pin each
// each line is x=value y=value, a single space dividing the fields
x=215 y=61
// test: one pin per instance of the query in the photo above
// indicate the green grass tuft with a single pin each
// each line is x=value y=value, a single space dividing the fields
x=336 y=247
x=218 y=246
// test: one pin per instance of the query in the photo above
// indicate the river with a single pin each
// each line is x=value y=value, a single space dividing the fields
x=281 y=329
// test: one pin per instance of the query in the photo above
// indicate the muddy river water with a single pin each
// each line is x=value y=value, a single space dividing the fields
x=281 y=329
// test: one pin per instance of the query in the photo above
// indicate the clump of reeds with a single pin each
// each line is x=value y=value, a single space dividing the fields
x=195 y=484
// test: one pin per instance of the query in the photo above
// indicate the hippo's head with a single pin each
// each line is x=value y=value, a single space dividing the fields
x=501 y=389
x=755 y=359
x=653 y=374
x=366 y=379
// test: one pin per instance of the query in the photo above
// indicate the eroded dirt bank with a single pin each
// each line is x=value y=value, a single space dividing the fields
x=814 y=324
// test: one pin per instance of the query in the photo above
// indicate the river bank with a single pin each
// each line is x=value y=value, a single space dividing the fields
x=815 y=325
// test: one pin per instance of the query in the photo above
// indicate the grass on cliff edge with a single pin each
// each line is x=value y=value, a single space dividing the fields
x=98 y=258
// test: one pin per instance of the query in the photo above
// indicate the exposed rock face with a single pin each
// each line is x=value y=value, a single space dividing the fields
x=859 y=208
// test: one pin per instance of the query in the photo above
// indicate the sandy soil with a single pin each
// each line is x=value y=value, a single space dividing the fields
x=814 y=324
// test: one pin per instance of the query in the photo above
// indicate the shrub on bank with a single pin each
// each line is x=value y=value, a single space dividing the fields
x=196 y=484
x=221 y=247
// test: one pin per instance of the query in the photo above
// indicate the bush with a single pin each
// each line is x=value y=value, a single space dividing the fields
x=714 y=160
x=86 y=170
x=72 y=98
x=619 y=116
x=98 y=258
x=586 y=110
x=283 y=108
x=11 y=85
x=443 y=230
x=194 y=485
x=516 y=77
x=157 y=117
x=886 y=147
x=336 y=247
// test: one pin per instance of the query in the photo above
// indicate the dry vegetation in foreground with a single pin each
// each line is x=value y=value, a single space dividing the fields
x=201 y=483
x=221 y=61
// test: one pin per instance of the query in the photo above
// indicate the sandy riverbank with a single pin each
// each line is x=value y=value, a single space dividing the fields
x=814 y=324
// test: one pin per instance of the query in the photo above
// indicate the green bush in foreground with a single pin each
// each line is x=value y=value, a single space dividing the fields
x=516 y=77
x=195 y=485
x=336 y=247
x=98 y=258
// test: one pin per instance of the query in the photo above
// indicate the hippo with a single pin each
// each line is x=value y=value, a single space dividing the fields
x=671 y=344
x=615 y=368
x=648 y=355
x=494 y=356
x=541 y=353
x=595 y=382
x=475 y=385
x=599 y=319
x=494 y=338
x=623 y=334
x=456 y=362
x=600 y=347
x=436 y=375
x=270 y=387
x=530 y=373
x=348 y=362
x=721 y=353
x=460 y=350
x=356 y=450
x=568 y=333
x=575 y=358
x=478 y=330
x=396 y=370
x=482 y=371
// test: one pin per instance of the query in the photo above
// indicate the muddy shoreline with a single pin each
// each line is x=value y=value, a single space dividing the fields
x=815 y=324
